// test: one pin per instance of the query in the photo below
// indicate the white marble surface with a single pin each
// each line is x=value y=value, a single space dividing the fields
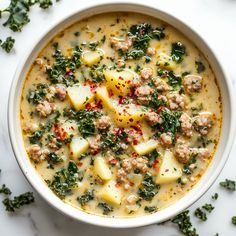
x=215 y=20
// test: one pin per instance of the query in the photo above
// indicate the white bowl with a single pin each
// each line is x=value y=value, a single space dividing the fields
x=201 y=187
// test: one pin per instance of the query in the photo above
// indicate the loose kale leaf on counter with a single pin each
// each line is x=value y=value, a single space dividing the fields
x=229 y=184
x=18 y=201
x=8 y=44
x=5 y=190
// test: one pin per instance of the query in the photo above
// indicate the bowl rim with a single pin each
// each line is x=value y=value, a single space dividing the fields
x=51 y=198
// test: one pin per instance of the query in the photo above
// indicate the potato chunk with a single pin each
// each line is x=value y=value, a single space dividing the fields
x=165 y=61
x=170 y=169
x=145 y=147
x=119 y=81
x=79 y=96
x=92 y=57
x=102 y=94
x=78 y=146
x=126 y=115
x=101 y=168
x=110 y=193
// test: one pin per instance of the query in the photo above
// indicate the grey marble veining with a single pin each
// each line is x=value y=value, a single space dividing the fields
x=215 y=20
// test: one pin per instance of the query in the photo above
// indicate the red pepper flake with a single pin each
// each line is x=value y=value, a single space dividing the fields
x=137 y=128
x=156 y=166
x=122 y=100
x=134 y=154
x=160 y=109
x=79 y=164
x=121 y=78
x=110 y=93
x=118 y=185
x=135 y=142
x=60 y=132
x=113 y=162
x=131 y=184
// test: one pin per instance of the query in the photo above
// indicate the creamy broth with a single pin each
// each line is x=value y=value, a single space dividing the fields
x=121 y=115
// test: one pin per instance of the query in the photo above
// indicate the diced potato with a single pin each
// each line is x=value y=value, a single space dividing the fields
x=145 y=147
x=131 y=208
x=147 y=131
x=102 y=94
x=101 y=168
x=136 y=179
x=78 y=146
x=165 y=61
x=126 y=115
x=92 y=57
x=170 y=169
x=79 y=96
x=119 y=81
x=110 y=193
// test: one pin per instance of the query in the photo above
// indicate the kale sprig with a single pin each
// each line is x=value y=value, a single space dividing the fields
x=18 y=201
x=8 y=44
x=229 y=184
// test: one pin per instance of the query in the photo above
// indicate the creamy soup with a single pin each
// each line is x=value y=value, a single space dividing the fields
x=121 y=115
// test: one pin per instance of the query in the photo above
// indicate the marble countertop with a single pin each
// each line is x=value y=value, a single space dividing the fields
x=215 y=20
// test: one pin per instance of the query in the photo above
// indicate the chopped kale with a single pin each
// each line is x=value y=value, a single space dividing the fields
x=113 y=141
x=85 y=120
x=150 y=209
x=178 y=50
x=155 y=102
x=170 y=122
x=148 y=188
x=186 y=169
x=215 y=196
x=233 y=220
x=5 y=190
x=18 y=12
x=174 y=80
x=199 y=66
x=37 y=95
x=229 y=184
x=96 y=73
x=18 y=201
x=38 y=134
x=200 y=214
x=53 y=159
x=64 y=67
x=84 y=199
x=208 y=207
x=142 y=34
x=184 y=224
x=64 y=181
x=152 y=156
x=105 y=207
x=93 y=45
x=8 y=44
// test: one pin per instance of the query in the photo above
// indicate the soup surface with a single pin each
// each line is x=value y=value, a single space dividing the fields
x=121 y=115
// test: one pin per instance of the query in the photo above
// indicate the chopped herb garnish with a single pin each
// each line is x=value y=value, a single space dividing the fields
x=105 y=207
x=64 y=181
x=84 y=199
x=178 y=50
x=200 y=214
x=184 y=224
x=5 y=190
x=150 y=209
x=8 y=44
x=208 y=207
x=148 y=188
x=215 y=196
x=18 y=201
x=229 y=184
x=233 y=220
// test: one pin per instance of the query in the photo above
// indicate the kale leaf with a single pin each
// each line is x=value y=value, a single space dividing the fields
x=184 y=224
x=199 y=66
x=148 y=188
x=8 y=44
x=5 y=190
x=64 y=181
x=178 y=50
x=229 y=184
x=18 y=201
x=37 y=95
x=84 y=199
x=105 y=207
